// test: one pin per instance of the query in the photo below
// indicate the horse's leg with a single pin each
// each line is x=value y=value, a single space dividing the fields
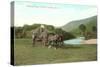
x=34 y=41
x=44 y=43
x=59 y=43
x=55 y=44
x=62 y=43
x=49 y=44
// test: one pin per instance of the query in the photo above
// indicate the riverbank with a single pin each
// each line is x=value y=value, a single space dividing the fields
x=90 y=41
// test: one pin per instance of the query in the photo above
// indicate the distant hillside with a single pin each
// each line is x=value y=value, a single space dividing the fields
x=74 y=25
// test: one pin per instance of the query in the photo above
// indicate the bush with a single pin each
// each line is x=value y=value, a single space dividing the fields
x=65 y=34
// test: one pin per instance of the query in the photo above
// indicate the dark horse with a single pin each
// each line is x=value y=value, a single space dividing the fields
x=55 y=40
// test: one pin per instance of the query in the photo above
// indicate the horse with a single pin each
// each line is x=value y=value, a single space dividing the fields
x=55 y=40
x=60 y=40
x=47 y=39
x=33 y=39
x=43 y=37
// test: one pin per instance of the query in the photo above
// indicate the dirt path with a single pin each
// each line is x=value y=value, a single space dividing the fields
x=90 y=41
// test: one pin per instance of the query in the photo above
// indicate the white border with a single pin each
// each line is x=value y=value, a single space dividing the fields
x=5 y=33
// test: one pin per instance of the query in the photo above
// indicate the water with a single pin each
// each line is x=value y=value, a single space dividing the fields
x=76 y=41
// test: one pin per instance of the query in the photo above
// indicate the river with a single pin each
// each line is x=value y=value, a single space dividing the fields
x=76 y=41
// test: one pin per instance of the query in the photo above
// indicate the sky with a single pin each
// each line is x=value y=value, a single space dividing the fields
x=51 y=14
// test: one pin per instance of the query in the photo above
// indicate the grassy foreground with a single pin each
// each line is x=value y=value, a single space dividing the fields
x=25 y=54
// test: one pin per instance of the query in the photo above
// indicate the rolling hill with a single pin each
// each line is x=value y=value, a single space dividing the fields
x=74 y=25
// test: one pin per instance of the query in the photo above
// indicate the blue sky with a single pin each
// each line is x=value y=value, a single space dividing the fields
x=52 y=14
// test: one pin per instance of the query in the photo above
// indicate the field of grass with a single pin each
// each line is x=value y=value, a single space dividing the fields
x=26 y=54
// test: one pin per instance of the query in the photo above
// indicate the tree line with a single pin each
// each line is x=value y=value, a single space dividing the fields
x=26 y=31
x=88 y=34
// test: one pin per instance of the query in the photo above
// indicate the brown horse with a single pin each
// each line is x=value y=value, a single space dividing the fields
x=60 y=40
x=43 y=38
x=55 y=40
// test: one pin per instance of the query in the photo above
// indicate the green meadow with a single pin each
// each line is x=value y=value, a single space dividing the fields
x=26 y=54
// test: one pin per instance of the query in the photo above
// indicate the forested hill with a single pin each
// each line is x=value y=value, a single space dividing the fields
x=74 y=25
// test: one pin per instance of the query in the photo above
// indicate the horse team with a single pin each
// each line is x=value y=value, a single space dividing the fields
x=50 y=40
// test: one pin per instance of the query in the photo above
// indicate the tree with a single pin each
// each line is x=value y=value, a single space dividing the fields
x=94 y=29
x=26 y=31
x=18 y=32
x=94 y=32
x=82 y=28
x=65 y=34
x=50 y=27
